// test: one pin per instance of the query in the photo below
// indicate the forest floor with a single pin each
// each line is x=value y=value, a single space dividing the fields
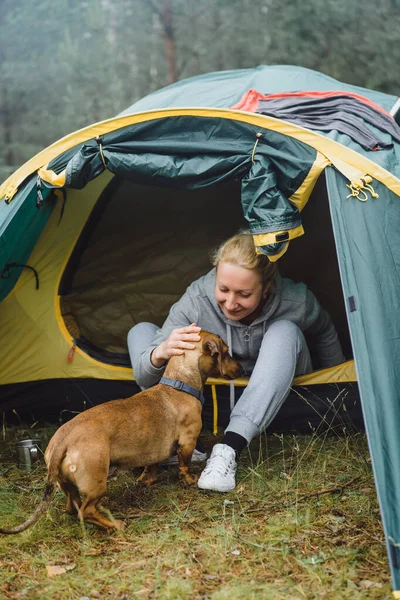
x=303 y=522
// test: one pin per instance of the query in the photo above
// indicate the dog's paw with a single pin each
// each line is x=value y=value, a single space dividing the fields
x=146 y=481
x=189 y=479
x=118 y=525
x=148 y=476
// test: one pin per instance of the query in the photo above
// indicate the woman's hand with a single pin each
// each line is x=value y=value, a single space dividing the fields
x=178 y=341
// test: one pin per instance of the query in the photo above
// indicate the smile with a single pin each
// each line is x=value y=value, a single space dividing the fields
x=233 y=312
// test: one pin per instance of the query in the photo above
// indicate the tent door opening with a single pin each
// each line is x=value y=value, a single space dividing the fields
x=143 y=245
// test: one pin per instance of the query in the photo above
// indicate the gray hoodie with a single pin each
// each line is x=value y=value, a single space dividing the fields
x=286 y=300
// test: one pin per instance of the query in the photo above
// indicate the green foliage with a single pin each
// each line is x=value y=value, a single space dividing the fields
x=65 y=65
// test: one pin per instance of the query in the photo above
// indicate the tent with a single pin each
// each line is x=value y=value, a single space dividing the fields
x=108 y=226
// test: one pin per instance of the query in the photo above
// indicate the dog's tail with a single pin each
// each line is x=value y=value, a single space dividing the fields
x=47 y=498
x=49 y=492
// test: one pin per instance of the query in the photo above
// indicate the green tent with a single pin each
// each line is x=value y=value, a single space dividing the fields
x=107 y=227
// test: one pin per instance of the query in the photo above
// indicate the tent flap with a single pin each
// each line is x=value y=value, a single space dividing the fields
x=23 y=221
x=368 y=247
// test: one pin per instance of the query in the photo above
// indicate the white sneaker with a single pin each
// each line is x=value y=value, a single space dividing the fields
x=197 y=457
x=219 y=474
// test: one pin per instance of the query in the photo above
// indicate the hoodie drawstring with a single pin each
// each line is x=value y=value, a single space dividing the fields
x=231 y=383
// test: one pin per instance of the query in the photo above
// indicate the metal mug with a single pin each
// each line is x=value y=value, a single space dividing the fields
x=28 y=452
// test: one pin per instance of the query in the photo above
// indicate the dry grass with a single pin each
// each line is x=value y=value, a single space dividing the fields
x=302 y=523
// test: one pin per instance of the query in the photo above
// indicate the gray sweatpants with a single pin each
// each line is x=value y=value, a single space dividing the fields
x=283 y=354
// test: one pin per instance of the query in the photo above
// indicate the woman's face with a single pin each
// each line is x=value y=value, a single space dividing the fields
x=238 y=291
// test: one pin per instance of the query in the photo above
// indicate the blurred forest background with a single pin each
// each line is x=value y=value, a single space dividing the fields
x=66 y=64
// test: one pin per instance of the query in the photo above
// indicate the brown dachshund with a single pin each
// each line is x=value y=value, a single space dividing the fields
x=143 y=430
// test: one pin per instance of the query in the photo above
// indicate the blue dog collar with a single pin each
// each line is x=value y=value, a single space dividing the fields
x=184 y=387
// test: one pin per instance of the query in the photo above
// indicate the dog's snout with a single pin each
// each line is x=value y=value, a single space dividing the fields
x=232 y=369
x=239 y=371
x=242 y=371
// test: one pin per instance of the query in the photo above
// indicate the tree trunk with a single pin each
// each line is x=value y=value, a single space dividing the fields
x=219 y=61
x=7 y=130
x=169 y=41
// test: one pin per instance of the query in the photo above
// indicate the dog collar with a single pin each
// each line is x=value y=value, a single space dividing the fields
x=184 y=387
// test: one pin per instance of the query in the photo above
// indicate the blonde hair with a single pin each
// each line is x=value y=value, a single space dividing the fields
x=240 y=250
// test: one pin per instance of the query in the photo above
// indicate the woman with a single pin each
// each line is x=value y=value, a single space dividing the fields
x=262 y=317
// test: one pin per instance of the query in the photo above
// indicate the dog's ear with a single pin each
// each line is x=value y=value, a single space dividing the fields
x=215 y=351
x=212 y=347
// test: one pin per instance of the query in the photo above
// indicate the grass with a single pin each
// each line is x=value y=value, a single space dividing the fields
x=303 y=522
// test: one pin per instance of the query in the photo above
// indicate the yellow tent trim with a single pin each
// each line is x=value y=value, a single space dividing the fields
x=263 y=239
x=59 y=318
x=70 y=341
x=50 y=177
x=275 y=257
x=352 y=164
x=343 y=373
x=303 y=193
x=339 y=374
x=215 y=409
x=396 y=594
